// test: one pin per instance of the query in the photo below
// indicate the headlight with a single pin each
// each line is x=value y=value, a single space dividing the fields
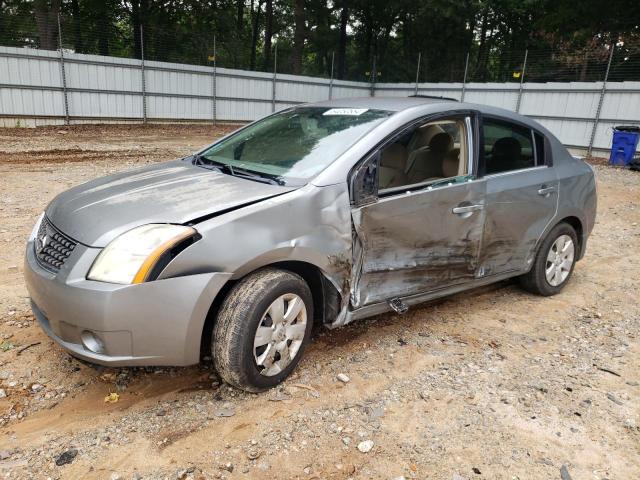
x=132 y=256
x=36 y=227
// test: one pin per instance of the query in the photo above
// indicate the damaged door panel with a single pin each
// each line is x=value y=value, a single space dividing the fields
x=418 y=241
x=516 y=218
x=522 y=196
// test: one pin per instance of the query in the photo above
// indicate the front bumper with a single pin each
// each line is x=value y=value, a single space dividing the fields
x=154 y=323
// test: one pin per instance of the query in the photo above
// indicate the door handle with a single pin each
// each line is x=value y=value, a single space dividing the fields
x=545 y=191
x=466 y=209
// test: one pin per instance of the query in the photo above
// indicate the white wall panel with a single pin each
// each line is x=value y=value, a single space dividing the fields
x=29 y=71
x=107 y=105
x=103 y=77
x=183 y=92
x=340 y=91
x=179 y=108
x=178 y=82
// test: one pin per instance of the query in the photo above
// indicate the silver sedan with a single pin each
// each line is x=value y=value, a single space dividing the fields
x=324 y=213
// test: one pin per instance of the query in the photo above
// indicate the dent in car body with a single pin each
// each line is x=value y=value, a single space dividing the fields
x=309 y=225
x=96 y=212
x=414 y=242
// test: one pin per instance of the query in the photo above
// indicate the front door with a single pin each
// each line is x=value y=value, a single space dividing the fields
x=419 y=234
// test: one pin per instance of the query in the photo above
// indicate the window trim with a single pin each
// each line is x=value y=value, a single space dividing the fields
x=511 y=172
x=469 y=117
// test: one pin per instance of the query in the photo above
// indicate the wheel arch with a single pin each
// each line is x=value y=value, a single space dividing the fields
x=326 y=297
x=577 y=225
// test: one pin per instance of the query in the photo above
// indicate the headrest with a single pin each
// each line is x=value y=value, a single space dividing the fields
x=441 y=143
x=451 y=163
x=423 y=136
x=394 y=156
x=507 y=146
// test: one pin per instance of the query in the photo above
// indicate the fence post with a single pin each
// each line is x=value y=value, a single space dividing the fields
x=524 y=67
x=600 y=102
x=415 y=92
x=214 y=86
x=63 y=75
x=144 y=84
x=373 y=77
x=275 y=68
x=464 y=78
x=331 y=80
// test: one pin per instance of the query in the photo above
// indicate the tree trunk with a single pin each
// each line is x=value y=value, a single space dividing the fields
x=135 y=24
x=104 y=12
x=268 y=34
x=46 y=14
x=481 y=46
x=78 y=46
x=585 y=65
x=239 y=17
x=298 y=37
x=342 y=42
x=239 y=33
x=139 y=9
x=254 y=34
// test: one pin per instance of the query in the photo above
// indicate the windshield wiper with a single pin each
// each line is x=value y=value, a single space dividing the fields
x=257 y=176
x=236 y=171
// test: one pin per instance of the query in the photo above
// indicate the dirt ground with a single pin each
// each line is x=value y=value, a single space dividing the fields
x=494 y=384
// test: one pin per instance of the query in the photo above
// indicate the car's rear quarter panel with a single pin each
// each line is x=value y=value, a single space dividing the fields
x=577 y=190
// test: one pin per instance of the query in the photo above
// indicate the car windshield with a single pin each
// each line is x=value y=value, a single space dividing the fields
x=295 y=145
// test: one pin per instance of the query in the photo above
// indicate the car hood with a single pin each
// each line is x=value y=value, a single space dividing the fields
x=177 y=192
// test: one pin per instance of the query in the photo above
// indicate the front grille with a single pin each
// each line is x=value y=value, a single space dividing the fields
x=52 y=247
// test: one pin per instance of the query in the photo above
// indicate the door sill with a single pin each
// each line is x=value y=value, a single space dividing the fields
x=418 y=298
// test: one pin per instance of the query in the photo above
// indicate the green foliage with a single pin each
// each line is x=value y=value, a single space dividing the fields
x=566 y=40
x=7 y=345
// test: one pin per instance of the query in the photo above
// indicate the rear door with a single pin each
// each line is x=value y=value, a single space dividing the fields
x=521 y=196
x=412 y=238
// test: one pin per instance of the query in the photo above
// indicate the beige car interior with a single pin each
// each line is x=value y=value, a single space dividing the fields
x=434 y=151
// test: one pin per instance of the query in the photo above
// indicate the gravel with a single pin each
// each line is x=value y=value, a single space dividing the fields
x=366 y=446
x=494 y=380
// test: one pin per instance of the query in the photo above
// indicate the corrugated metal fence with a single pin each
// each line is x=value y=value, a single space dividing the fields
x=47 y=87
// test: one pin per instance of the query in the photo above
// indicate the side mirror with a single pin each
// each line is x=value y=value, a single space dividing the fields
x=364 y=182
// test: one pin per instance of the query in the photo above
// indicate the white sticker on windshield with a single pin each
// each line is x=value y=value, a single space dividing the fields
x=345 y=111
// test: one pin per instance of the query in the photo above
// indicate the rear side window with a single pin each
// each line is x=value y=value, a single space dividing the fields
x=542 y=157
x=507 y=147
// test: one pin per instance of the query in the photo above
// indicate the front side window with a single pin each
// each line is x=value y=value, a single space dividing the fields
x=294 y=145
x=507 y=147
x=425 y=154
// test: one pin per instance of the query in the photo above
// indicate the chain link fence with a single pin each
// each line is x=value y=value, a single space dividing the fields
x=200 y=63
x=98 y=32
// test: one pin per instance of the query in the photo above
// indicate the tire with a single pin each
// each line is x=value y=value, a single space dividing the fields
x=251 y=304
x=536 y=281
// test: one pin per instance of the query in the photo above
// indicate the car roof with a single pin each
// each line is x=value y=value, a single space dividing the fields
x=394 y=104
x=406 y=110
x=429 y=105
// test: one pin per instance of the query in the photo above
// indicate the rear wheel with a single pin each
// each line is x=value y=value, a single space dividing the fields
x=554 y=262
x=262 y=329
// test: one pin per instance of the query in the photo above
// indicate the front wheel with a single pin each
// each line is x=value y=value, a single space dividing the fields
x=554 y=262
x=262 y=329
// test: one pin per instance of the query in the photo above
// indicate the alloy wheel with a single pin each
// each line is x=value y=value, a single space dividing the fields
x=559 y=260
x=280 y=334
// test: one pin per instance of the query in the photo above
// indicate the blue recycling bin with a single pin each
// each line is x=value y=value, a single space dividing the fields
x=625 y=142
